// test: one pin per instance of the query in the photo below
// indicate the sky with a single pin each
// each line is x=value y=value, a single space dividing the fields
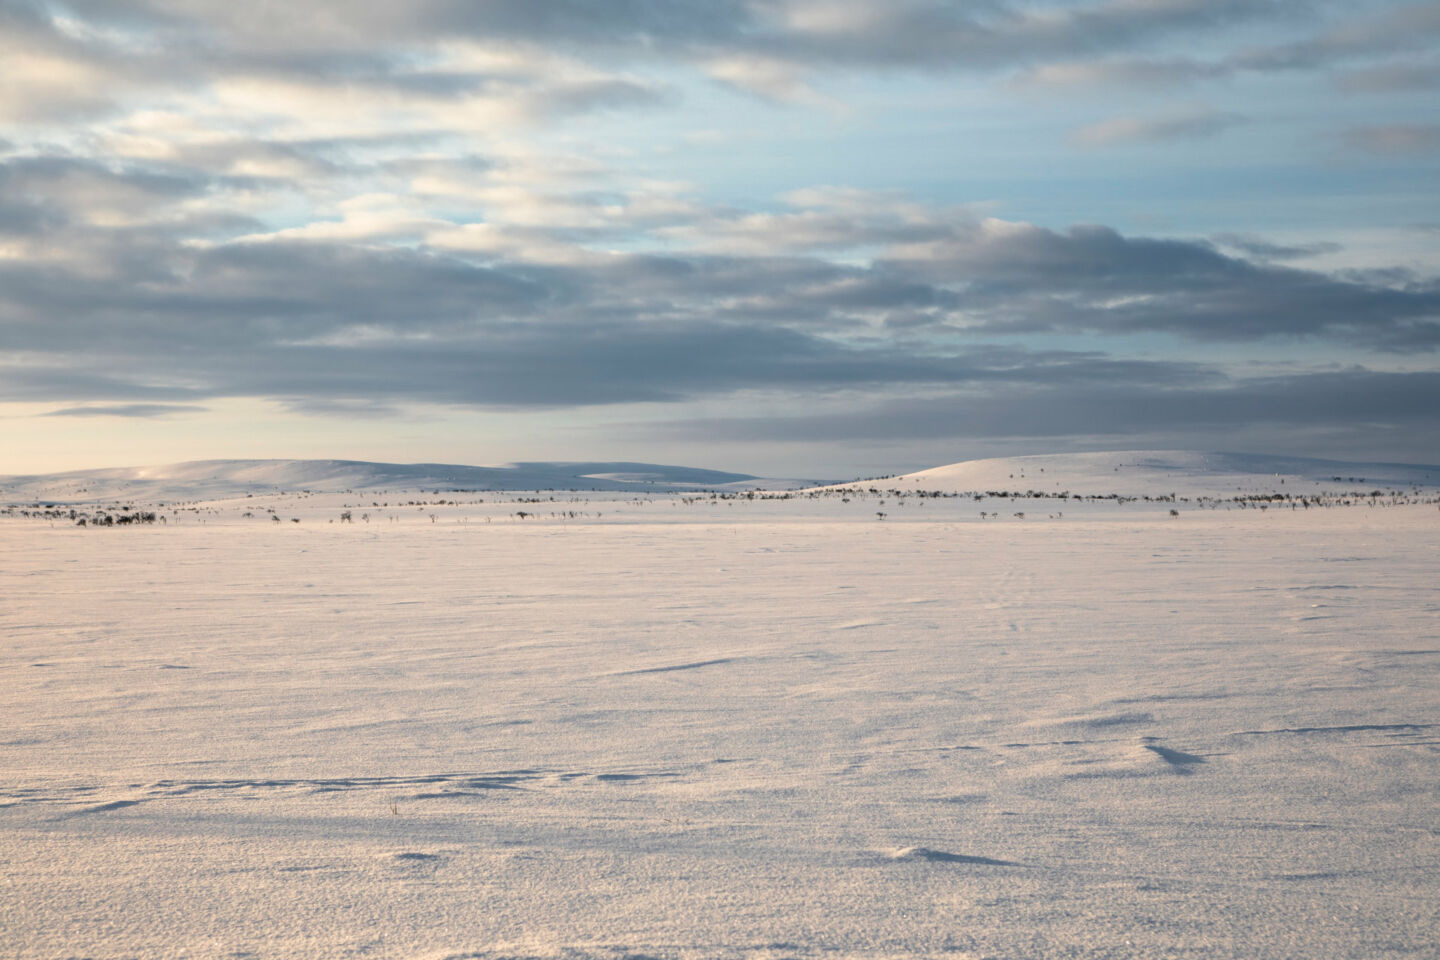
x=799 y=238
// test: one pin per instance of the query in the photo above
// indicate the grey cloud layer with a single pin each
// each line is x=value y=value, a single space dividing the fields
x=145 y=44
x=1348 y=401
x=944 y=32
x=126 y=311
x=1380 y=33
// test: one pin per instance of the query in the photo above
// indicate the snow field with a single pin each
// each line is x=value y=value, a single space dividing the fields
x=747 y=734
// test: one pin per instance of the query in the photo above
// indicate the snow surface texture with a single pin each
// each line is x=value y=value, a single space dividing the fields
x=696 y=726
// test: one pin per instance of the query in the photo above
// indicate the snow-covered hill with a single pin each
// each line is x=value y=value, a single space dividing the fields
x=215 y=479
x=1130 y=473
x=1163 y=472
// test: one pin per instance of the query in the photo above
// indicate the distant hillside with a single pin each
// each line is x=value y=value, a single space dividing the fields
x=1128 y=473
x=1162 y=472
x=217 y=479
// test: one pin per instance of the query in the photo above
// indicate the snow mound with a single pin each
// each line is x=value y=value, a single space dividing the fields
x=927 y=855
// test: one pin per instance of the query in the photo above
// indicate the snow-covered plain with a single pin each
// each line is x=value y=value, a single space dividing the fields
x=684 y=725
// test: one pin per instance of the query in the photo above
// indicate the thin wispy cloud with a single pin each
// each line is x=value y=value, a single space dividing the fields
x=142 y=411
x=1391 y=78
x=1394 y=138
x=1193 y=124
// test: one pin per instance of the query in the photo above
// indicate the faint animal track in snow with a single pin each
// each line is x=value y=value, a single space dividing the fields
x=1351 y=728
x=1099 y=721
x=1172 y=697
x=679 y=666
